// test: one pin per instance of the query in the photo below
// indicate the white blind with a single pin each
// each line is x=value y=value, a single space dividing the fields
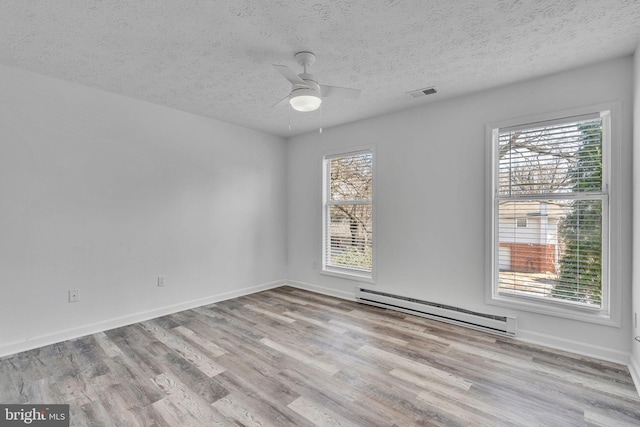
x=550 y=203
x=349 y=212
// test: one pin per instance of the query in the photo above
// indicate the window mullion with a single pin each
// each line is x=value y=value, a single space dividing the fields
x=569 y=196
x=348 y=202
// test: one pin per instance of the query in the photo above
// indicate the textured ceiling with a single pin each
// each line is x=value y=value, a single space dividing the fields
x=213 y=57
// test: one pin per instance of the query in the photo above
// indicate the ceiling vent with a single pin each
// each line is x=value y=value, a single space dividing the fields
x=422 y=92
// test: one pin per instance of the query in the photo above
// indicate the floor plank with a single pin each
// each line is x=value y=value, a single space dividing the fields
x=288 y=357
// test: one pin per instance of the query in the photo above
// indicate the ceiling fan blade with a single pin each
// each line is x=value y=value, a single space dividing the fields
x=341 y=92
x=283 y=101
x=290 y=75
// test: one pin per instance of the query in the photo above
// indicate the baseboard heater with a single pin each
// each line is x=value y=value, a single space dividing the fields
x=445 y=313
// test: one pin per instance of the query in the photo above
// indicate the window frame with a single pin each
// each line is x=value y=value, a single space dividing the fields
x=345 y=272
x=609 y=314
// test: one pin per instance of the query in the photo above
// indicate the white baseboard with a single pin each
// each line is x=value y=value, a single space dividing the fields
x=351 y=296
x=634 y=370
x=41 y=341
x=571 y=346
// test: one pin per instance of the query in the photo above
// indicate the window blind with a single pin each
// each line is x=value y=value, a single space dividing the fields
x=550 y=177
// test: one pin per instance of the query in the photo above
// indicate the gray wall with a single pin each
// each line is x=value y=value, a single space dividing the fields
x=635 y=356
x=430 y=200
x=103 y=193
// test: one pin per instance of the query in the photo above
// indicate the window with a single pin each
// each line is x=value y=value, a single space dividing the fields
x=348 y=214
x=550 y=214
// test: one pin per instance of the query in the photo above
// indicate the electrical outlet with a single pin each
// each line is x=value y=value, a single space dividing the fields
x=314 y=265
x=74 y=295
x=160 y=281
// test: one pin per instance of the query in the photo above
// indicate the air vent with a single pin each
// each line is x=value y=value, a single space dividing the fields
x=422 y=92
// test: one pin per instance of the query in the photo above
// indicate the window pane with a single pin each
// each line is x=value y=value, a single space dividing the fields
x=551 y=245
x=350 y=237
x=352 y=177
x=553 y=159
x=557 y=256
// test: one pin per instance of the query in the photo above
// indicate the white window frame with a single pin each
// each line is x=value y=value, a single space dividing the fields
x=346 y=273
x=609 y=314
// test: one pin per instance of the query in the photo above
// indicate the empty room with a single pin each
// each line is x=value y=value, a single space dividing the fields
x=327 y=213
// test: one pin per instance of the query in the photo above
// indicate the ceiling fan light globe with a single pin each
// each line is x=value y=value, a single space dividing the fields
x=305 y=103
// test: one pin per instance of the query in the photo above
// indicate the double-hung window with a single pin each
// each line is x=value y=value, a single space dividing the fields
x=348 y=214
x=550 y=210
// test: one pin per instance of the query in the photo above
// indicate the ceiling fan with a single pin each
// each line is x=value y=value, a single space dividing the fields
x=306 y=94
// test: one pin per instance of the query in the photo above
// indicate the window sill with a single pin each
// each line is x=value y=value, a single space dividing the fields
x=550 y=308
x=348 y=274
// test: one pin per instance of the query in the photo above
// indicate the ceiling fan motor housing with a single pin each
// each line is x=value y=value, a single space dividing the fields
x=310 y=80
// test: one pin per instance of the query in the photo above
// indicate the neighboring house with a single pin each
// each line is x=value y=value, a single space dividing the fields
x=529 y=236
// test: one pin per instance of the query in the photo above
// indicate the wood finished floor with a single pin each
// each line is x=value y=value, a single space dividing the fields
x=290 y=357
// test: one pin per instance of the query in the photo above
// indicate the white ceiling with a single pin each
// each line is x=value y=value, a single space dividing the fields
x=213 y=57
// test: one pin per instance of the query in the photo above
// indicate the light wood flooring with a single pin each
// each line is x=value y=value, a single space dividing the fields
x=290 y=357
